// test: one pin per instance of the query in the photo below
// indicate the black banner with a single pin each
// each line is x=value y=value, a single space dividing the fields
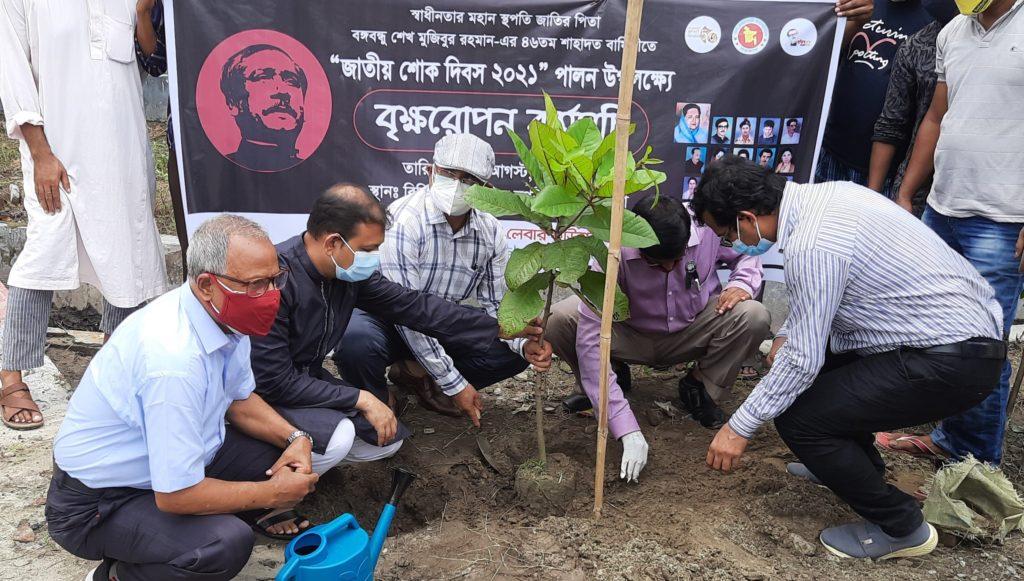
x=275 y=101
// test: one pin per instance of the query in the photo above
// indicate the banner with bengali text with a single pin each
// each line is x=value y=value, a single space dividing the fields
x=272 y=101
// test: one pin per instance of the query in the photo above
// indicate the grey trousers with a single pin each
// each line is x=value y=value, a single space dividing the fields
x=125 y=526
x=28 y=315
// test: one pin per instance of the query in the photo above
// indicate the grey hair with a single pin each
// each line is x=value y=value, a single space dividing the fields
x=208 y=246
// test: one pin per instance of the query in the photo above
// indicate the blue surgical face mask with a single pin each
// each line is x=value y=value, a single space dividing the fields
x=763 y=244
x=364 y=264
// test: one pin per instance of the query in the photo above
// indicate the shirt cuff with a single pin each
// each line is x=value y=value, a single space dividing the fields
x=744 y=423
x=453 y=383
x=740 y=285
x=622 y=424
x=15 y=121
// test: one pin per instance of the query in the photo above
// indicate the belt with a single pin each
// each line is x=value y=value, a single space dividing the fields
x=976 y=348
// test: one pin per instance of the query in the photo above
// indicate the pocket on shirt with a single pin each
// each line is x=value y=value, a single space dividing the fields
x=119 y=39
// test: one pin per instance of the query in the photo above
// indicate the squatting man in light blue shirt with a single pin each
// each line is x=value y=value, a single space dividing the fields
x=867 y=346
x=145 y=441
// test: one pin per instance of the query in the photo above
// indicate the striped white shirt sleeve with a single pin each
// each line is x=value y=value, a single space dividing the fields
x=401 y=251
x=816 y=280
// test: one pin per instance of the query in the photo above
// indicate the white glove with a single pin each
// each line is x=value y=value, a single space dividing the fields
x=634 y=456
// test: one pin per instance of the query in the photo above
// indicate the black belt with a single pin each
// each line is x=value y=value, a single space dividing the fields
x=976 y=348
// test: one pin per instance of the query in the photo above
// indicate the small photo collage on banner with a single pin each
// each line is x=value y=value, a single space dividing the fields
x=705 y=135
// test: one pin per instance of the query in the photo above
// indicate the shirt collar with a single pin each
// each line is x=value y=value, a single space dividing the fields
x=787 y=214
x=435 y=216
x=209 y=333
x=298 y=248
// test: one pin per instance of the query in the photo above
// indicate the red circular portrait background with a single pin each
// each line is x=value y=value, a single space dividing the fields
x=215 y=116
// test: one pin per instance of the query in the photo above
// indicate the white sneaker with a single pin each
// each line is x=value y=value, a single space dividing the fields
x=91 y=575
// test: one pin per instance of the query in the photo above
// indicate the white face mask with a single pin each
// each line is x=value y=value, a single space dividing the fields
x=449 y=195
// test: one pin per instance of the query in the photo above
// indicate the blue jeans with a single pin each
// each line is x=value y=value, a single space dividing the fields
x=989 y=246
x=831 y=169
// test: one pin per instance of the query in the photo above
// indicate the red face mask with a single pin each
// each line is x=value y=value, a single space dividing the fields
x=247 y=315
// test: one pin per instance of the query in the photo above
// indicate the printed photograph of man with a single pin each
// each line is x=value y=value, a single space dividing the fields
x=723 y=129
x=786 y=165
x=718 y=152
x=744 y=152
x=265 y=91
x=693 y=122
x=694 y=164
x=765 y=157
x=690 y=187
x=768 y=135
x=791 y=133
x=744 y=135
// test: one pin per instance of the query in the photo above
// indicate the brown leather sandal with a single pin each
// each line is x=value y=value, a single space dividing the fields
x=15 y=398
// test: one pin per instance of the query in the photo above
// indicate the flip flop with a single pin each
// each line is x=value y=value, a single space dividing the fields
x=15 y=398
x=265 y=523
x=748 y=372
x=885 y=441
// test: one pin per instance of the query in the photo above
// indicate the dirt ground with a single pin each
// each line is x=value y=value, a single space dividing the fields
x=462 y=520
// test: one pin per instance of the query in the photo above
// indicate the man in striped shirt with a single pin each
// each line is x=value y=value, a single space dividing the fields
x=888 y=327
x=437 y=244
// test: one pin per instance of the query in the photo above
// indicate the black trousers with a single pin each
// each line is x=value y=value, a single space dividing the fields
x=125 y=525
x=830 y=427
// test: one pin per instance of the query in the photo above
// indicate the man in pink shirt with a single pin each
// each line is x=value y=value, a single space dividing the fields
x=679 y=312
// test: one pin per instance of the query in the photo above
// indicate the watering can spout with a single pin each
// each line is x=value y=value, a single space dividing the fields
x=400 y=480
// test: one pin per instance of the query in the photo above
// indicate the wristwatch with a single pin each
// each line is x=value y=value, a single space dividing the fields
x=300 y=434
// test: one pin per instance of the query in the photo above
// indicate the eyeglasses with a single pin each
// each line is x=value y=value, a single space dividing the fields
x=467 y=179
x=254 y=288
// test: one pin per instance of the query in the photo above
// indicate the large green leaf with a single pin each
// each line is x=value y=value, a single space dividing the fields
x=538 y=151
x=595 y=246
x=608 y=144
x=555 y=201
x=546 y=146
x=551 y=113
x=570 y=258
x=528 y=158
x=644 y=179
x=592 y=287
x=604 y=178
x=586 y=133
x=520 y=306
x=636 y=232
x=497 y=202
x=523 y=264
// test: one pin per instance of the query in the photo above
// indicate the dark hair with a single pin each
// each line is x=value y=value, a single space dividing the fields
x=764 y=151
x=232 y=78
x=691 y=179
x=671 y=223
x=745 y=122
x=731 y=185
x=342 y=208
x=788 y=121
x=722 y=121
x=784 y=150
x=743 y=153
x=712 y=154
x=770 y=123
x=689 y=106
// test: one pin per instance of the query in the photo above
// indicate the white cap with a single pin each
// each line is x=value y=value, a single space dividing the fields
x=465 y=152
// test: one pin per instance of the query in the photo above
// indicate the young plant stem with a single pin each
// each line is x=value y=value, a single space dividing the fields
x=540 y=384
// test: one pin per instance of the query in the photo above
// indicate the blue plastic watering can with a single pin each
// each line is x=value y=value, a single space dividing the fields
x=341 y=549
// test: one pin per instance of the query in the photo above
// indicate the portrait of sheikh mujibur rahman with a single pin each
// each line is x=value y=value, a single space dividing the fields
x=265 y=91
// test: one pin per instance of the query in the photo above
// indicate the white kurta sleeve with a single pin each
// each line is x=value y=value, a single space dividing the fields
x=18 y=90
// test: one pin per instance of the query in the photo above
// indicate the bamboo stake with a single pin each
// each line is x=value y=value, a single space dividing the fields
x=634 y=10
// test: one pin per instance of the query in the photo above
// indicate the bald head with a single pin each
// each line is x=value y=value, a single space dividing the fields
x=342 y=208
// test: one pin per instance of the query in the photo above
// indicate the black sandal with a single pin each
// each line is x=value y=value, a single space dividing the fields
x=265 y=523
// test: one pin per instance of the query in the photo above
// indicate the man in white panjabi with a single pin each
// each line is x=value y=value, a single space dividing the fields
x=72 y=96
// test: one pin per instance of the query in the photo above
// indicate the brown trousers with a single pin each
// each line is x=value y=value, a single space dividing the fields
x=718 y=343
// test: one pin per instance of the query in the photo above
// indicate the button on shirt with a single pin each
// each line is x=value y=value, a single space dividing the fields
x=660 y=304
x=422 y=253
x=979 y=168
x=149 y=411
x=868 y=276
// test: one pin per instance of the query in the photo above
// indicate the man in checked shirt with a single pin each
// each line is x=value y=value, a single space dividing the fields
x=888 y=327
x=438 y=245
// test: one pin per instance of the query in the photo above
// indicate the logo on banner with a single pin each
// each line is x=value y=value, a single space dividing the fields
x=702 y=34
x=750 y=35
x=263 y=100
x=798 y=37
